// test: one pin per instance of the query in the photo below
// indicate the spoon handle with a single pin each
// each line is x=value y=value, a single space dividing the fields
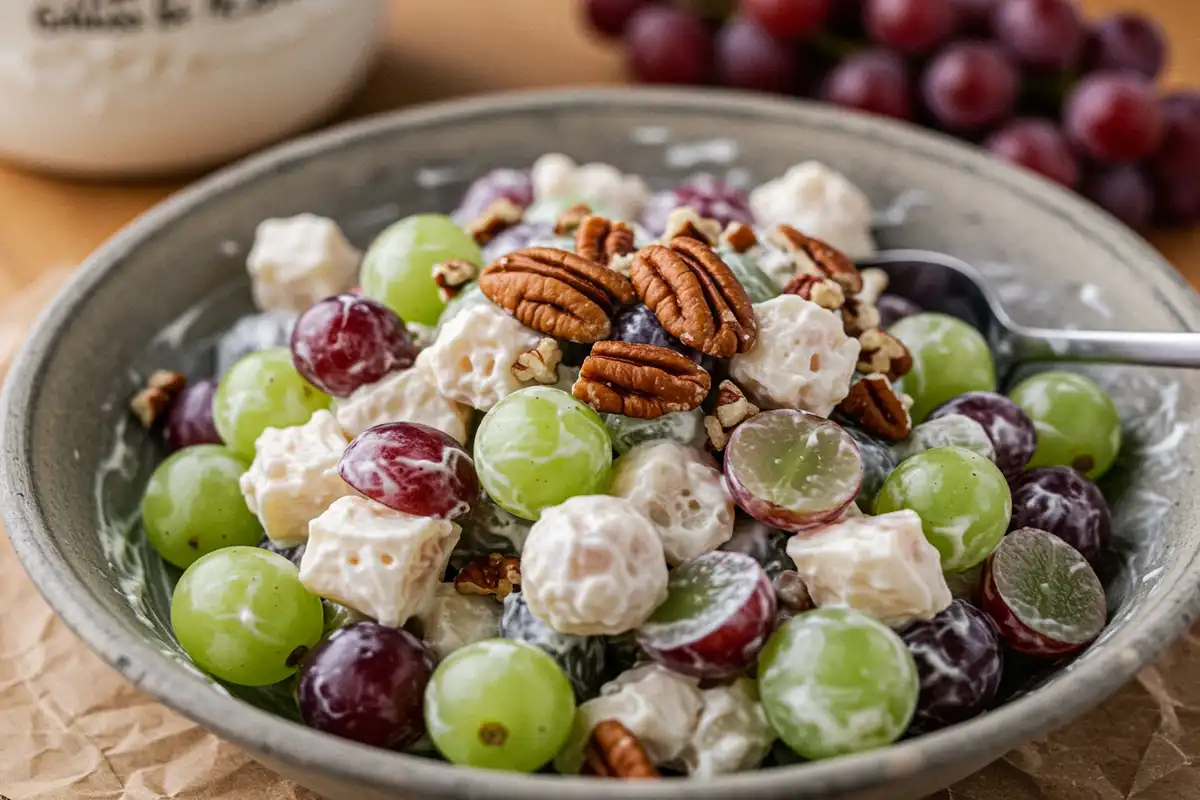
x=1114 y=347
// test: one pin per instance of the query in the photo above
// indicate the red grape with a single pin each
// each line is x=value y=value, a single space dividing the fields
x=1127 y=40
x=1038 y=145
x=412 y=468
x=970 y=85
x=1178 y=157
x=787 y=19
x=344 y=342
x=974 y=17
x=609 y=17
x=893 y=308
x=750 y=58
x=1178 y=201
x=709 y=196
x=846 y=18
x=1060 y=501
x=1114 y=117
x=1125 y=192
x=1041 y=33
x=509 y=184
x=366 y=682
x=1011 y=431
x=666 y=44
x=910 y=26
x=190 y=420
x=875 y=81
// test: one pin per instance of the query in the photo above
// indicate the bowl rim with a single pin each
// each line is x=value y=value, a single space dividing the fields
x=1133 y=646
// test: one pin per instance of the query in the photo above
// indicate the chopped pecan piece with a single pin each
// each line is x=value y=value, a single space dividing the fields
x=875 y=406
x=571 y=218
x=883 y=353
x=556 y=293
x=821 y=290
x=640 y=380
x=695 y=296
x=540 y=364
x=452 y=275
x=859 y=316
x=686 y=223
x=732 y=409
x=602 y=240
x=791 y=591
x=149 y=404
x=831 y=262
x=739 y=236
x=875 y=283
x=493 y=574
x=501 y=215
x=614 y=752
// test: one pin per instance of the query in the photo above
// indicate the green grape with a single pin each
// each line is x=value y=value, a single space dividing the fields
x=962 y=499
x=548 y=211
x=398 y=267
x=835 y=681
x=263 y=390
x=193 y=505
x=538 y=447
x=1076 y=421
x=499 y=704
x=758 y=286
x=242 y=615
x=949 y=358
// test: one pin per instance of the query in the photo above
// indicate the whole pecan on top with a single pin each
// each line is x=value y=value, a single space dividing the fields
x=874 y=404
x=640 y=380
x=557 y=293
x=614 y=752
x=695 y=296
x=830 y=261
x=492 y=574
x=603 y=240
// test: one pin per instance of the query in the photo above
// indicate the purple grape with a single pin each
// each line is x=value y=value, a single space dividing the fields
x=1114 y=117
x=582 y=658
x=893 y=308
x=913 y=27
x=1038 y=145
x=750 y=58
x=609 y=17
x=668 y=44
x=292 y=554
x=366 y=682
x=1178 y=157
x=766 y=545
x=970 y=86
x=523 y=234
x=511 y=184
x=1060 y=501
x=344 y=342
x=878 y=462
x=1041 y=33
x=1127 y=40
x=974 y=17
x=708 y=195
x=875 y=81
x=190 y=420
x=1010 y=429
x=960 y=663
x=638 y=325
x=1124 y=191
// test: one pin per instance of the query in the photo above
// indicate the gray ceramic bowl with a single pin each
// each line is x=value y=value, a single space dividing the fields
x=161 y=289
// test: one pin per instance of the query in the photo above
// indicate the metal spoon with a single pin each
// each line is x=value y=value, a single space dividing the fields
x=938 y=282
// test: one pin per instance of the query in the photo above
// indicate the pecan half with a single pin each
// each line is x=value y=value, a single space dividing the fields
x=875 y=406
x=685 y=222
x=498 y=217
x=821 y=290
x=540 y=364
x=732 y=409
x=695 y=296
x=614 y=752
x=883 y=353
x=149 y=404
x=452 y=275
x=493 y=574
x=571 y=218
x=556 y=293
x=640 y=380
x=859 y=316
x=739 y=237
x=602 y=240
x=830 y=261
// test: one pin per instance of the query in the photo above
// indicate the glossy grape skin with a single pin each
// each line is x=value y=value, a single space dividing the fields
x=1077 y=422
x=711 y=198
x=878 y=462
x=499 y=704
x=913 y=27
x=514 y=185
x=344 y=342
x=242 y=615
x=252 y=333
x=748 y=57
x=193 y=505
x=960 y=663
x=874 y=81
x=1123 y=191
x=412 y=468
x=1037 y=145
x=366 y=682
x=190 y=418
x=397 y=269
x=1127 y=40
x=685 y=427
x=788 y=19
x=1060 y=501
x=668 y=44
x=262 y=391
x=582 y=658
x=639 y=325
x=719 y=611
x=892 y=308
x=949 y=358
x=1046 y=34
x=1114 y=117
x=970 y=85
x=1006 y=424
x=835 y=670
x=539 y=447
x=759 y=287
x=962 y=498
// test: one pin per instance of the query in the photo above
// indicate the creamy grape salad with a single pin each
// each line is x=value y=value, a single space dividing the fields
x=597 y=480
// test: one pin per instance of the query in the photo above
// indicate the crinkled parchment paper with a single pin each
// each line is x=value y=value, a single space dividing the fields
x=71 y=727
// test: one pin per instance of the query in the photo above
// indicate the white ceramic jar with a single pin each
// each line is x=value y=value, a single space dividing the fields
x=136 y=87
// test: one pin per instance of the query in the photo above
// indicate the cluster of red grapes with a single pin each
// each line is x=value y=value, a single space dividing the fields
x=1030 y=80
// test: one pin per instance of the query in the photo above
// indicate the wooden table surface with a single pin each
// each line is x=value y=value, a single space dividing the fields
x=437 y=49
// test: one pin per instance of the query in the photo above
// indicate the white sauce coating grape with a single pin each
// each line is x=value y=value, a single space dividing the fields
x=383 y=563
x=453 y=621
x=803 y=358
x=407 y=396
x=952 y=430
x=253 y=333
x=593 y=565
x=684 y=497
x=820 y=202
x=294 y=477
x=732 y=734
x=882 y=566
x=599 y=185
x=685 y=427
x=299 y=260
x=473 y=356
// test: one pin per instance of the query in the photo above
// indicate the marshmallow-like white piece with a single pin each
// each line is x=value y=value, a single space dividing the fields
x=474 y=354
x=452 y=620
x=820 y=202
x=299 y=260
x=732 y=734
x=410 y=395
x=602 y=186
